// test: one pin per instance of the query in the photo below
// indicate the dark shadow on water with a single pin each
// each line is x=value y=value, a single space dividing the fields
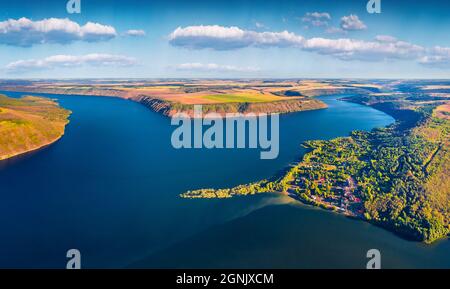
x=24 y=156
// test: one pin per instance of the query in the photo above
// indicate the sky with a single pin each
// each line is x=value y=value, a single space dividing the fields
x=225 y=39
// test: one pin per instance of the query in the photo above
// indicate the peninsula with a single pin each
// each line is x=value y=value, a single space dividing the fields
x=29 y=123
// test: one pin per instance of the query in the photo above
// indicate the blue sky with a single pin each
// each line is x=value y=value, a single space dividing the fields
x=226 y=39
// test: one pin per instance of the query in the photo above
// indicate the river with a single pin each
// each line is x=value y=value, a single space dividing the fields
x=109 y=188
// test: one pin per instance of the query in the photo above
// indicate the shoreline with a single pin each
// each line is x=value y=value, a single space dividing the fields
x=312 y=205
x=23 y=153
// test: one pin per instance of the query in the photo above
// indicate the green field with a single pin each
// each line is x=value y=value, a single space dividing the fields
x=230 y=98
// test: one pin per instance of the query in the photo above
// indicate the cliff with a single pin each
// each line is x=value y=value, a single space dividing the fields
x=171 y=108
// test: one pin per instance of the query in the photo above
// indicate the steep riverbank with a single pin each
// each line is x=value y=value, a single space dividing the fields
x=285 y=106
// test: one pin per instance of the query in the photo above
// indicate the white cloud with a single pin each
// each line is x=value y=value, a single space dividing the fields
x=335 y=30
x=384 y=47
x=352 y=49
x=61 y=61
x=225 y=38
x=259 y=25
x=352 y=22
x=213 y=67
x=135 y=32
x=26 y=32
x=438 y=57
x=385 y=38
x=316 y=18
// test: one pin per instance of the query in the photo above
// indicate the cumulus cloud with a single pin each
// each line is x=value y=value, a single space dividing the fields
x=225 y=38
x=352 y=49
x=316 y=18
x=383 y=47
x=26 y=32
x=222 y=38
x=213 y=67
x=352 y=22
x=62 y=61
x=135 y=32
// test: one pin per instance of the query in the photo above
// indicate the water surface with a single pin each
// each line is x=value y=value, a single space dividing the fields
x=110 y=188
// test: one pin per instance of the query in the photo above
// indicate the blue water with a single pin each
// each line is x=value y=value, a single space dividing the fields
x=109 y=187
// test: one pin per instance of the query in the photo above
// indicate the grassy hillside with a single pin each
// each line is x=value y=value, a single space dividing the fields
x=29 y=123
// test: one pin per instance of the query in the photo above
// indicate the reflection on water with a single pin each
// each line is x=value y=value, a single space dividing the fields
x=296 y=236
